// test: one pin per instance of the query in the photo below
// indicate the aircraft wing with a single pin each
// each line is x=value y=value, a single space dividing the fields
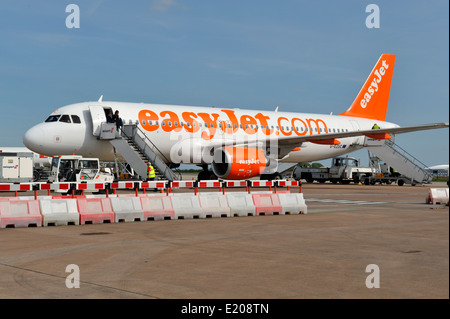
x=328 y=138
x=333 y=138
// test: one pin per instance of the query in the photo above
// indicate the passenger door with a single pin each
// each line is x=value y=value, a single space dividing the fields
x=98 y=117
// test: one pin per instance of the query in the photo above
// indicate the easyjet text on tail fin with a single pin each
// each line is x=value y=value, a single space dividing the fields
x=372 y=101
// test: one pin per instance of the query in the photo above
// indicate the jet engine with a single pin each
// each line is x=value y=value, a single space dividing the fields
x=238 y=162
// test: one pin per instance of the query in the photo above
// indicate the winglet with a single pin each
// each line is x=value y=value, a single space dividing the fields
x=372 y=101
x=100 y=99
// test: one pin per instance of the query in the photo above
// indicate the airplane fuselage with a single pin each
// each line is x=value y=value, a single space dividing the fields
x=170 y=125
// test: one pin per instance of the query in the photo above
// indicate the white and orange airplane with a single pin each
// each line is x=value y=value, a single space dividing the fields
x=238 y=144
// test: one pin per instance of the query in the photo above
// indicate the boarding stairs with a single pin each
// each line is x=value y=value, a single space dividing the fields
x=137 y=149
x=398 y=158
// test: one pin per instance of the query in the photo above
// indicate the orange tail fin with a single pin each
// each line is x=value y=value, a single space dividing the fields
x=372 y=101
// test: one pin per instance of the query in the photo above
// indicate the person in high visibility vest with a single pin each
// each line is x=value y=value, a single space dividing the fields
x=151 y=172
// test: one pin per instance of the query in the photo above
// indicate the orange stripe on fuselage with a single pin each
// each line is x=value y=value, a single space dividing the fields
x=229 y=122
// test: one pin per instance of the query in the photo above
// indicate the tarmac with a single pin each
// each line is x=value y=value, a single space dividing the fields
x=320 y=255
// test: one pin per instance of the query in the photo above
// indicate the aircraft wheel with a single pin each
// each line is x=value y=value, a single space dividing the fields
x=212 y=176
x=203 y=175
x=276 y=176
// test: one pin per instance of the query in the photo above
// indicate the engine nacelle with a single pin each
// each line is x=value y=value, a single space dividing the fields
x=238 y=162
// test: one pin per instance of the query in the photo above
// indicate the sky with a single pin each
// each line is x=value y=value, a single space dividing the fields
x=303 y=56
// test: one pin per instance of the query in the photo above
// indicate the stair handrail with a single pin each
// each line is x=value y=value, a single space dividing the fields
x=135 y=131
x=409 y=156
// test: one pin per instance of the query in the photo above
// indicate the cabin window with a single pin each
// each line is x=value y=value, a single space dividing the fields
x=76 y=119
x=53 y=118
x=65 y=118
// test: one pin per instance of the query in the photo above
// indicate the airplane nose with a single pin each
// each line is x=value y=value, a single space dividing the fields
x=34 y=139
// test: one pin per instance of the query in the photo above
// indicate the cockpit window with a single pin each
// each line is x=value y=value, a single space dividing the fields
x=65 y=118
x=53 y=118
x=75 y=119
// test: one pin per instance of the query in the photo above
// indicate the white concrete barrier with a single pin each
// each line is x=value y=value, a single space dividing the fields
x=266 y=204
x=30 y=197
x=438 y=196
x=157 y=207
x=292 y=203
x=186 y=206
x=127 y=209
x=214 y=205
x=58 y=212
x=241 y=204
x=95 y=210
x=20 y=213
x=100 y=196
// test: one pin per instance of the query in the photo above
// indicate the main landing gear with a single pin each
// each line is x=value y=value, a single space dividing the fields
x=270 y=177
x=206 y=174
